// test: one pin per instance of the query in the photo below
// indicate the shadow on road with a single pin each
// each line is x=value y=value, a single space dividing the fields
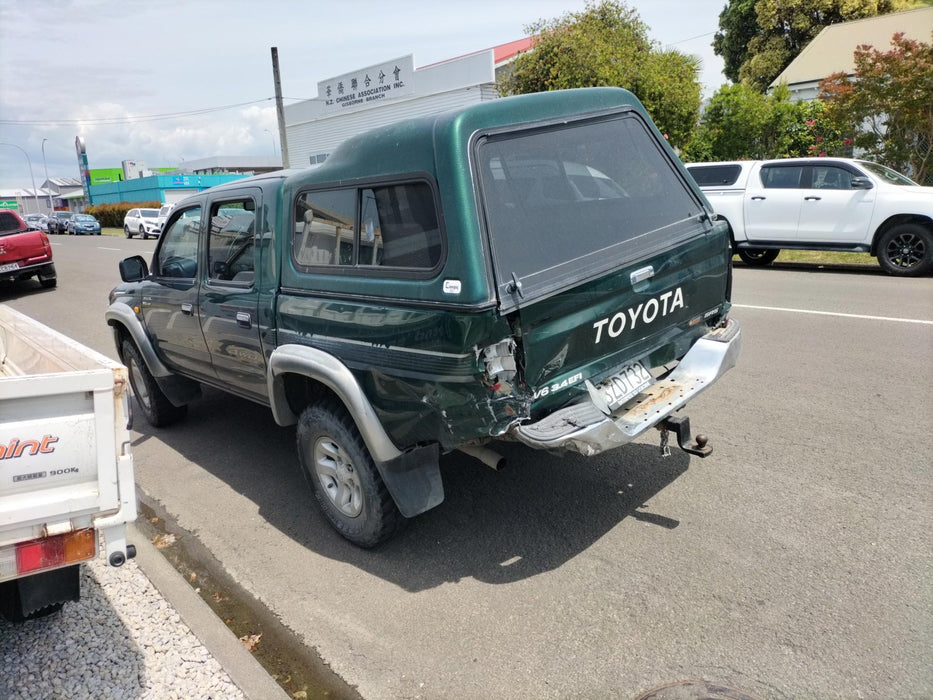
x=19 y=288
x=496 y=527
x=824 y=268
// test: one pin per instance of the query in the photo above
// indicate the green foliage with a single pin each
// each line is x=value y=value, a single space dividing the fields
x=738 y=24
x=111 y=215
x=607 y=45
x=741 y=123
x=759 y=38
x=890 y=104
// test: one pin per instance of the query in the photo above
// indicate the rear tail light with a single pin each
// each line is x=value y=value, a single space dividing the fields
x=47 y=553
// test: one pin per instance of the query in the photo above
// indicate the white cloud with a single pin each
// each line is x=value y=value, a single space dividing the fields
x=127 y=58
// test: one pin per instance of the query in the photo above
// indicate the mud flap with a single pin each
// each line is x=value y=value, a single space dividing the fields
x=22 y=598
x=180 y=391
x=414 y=480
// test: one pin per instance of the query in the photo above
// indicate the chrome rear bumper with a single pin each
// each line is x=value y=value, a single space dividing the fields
x=584 y=428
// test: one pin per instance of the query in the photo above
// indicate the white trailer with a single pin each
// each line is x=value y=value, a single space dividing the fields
x=66 y=469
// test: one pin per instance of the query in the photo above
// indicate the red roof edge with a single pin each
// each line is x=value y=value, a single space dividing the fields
x=500 y=53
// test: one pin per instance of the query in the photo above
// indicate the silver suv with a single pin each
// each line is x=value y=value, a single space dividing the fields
x=141 y=221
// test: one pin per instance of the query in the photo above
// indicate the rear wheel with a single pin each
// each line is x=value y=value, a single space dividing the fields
x=758 y=257
x=126 y=231
x=906 y=250
x=344 y=477
x=156 y=407
x=49 y=282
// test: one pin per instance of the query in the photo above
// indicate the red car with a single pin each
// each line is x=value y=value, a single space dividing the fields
x=24 y=252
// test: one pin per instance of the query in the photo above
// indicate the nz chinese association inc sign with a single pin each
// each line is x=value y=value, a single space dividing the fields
x=366 y=86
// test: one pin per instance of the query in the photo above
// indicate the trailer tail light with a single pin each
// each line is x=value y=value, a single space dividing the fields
x=47 y=553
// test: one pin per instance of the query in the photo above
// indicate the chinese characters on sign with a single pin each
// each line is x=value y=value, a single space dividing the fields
x=368 y=85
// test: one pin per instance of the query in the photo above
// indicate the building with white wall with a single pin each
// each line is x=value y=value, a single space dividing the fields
x=390 y=91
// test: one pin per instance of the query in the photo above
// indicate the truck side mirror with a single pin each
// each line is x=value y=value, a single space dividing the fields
x=861 y=183
x=133 y=269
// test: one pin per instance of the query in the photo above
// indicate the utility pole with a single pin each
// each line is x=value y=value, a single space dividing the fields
x=45 y=165
x=279 y=111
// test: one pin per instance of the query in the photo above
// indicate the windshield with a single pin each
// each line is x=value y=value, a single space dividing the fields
x=84 y=217
x=63 y=215
x=891 y=176
x=149 y=213
x=569 y=202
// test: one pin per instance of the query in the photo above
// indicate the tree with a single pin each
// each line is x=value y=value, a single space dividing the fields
x=781 y=30
x=608 y=45
x=741 y=123
x=890 y=104
x=738 y=24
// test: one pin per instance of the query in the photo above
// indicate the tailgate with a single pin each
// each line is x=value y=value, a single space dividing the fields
x=65 y=459
x=19 y=247
x=58 y=451
x=650 y=311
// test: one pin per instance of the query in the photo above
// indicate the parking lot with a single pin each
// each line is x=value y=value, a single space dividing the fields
x=794 y=562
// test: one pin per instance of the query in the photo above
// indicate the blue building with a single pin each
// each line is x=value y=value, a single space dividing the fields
x=158 y=188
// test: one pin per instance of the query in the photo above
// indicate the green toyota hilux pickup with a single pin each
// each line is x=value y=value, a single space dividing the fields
x=538 y=269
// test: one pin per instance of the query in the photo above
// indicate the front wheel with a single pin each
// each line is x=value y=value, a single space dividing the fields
x=758 y=257
x=142 y=233
x=906 y=250
x=344 y=477
x=156 y=407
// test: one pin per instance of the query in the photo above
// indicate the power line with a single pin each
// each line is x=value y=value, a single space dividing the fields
x=130 y=120
x=698 y=36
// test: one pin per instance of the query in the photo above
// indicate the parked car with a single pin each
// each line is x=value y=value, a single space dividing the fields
x=163 y=215
x=539 y=269
x=24 y=252
x=80 y=224
x=39 y=222
x=141 y=221
x=58 y=221
x=838 y=204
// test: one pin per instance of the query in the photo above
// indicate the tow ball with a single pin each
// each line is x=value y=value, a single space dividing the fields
x=681 y=428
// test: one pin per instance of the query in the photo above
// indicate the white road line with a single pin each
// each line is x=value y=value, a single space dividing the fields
x=833 y=313
x=100 y=247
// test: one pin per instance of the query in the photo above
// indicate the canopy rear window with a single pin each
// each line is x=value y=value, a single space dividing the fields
x=569 y=202
x=715 y=175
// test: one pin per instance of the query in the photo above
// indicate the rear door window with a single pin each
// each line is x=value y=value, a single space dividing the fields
x=782 y=177
x=231 y=249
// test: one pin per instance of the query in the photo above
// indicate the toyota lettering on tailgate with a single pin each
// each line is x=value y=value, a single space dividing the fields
x=645 y=313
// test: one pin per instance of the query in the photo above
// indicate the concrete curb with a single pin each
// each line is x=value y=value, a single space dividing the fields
x=243 y=669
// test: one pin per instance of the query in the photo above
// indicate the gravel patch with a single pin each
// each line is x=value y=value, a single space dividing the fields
x=121 y=640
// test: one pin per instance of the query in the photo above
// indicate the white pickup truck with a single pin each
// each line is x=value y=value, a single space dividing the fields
x=66 y=470
x=822 y=204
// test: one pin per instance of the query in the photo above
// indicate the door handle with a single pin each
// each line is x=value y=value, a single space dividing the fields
x=758 y=197
x=187 y=308
x=243 y=319
x=814 y=198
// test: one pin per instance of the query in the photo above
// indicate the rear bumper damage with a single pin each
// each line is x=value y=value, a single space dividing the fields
x=584 y=428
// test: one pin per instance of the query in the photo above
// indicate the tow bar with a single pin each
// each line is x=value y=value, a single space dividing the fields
x=681 y=428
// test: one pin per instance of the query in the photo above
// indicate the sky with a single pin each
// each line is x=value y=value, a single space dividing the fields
x=118 y=72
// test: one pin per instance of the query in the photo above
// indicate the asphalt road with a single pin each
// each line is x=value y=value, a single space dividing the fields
x=794 y=562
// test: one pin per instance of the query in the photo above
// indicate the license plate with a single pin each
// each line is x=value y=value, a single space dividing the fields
x=624 y=384
x=9 y=267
